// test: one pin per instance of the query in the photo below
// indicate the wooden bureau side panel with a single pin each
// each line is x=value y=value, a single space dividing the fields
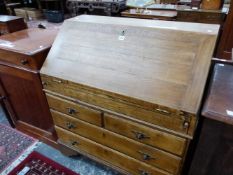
x=75 y=110
x=120 y=143
x=116 y=158
x=136 y=109
x=150 y=136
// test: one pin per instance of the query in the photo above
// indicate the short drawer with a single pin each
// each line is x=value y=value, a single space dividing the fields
x=137 y=150
x=141 y=133
x=24 y=60
x=109 y=155
x=75 y=110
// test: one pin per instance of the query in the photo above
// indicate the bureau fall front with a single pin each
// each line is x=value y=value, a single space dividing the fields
x=126 y=92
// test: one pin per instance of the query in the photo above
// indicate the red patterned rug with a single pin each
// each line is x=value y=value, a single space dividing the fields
x=37 y=164
x=12 y=144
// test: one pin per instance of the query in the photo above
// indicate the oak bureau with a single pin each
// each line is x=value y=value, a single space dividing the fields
x=126 y=92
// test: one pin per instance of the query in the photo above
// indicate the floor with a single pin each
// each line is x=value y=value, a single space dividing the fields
x=79 y=164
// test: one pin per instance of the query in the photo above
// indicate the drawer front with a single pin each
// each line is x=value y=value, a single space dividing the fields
x=26 y=60
x=120 y=143
x=187 y=16
x=113 y=157
x=75 y=110
x=133 y=108
x=213 y=18
x=156 y=138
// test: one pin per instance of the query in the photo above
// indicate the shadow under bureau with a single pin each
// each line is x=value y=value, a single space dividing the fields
x=126 y=92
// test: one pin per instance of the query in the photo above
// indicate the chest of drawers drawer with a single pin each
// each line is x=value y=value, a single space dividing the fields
x=75 y=110
x=137 y=150
x=156 y=138
x=150 y=113
x=131 y=165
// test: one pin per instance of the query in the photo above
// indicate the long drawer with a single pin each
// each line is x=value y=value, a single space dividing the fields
x=159 y=139
x=123 y=144
x=151 y=113
x=75 y=110
x=115 y=158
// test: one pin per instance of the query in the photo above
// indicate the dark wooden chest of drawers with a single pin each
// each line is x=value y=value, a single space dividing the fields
x=214 y=150
x=201 y=16
x=122 y=103
x=10 y=24
x=21 y=56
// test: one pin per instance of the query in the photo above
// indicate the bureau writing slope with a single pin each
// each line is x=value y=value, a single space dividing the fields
x=126 y=92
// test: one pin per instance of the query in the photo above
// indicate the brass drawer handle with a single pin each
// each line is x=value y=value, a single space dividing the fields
x=70 y=125
x=162 y=111
x=24 y=61
x=185 y=125
x=74 y=143
x=71 y=111
x=146 y=156
x=142 y=172
x=44 y=83
x=140 y=135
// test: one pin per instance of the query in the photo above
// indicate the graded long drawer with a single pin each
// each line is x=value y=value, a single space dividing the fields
x=75 y=110
x=115 y=158
x=159 y=139
x=148 y=112
x=142 y=152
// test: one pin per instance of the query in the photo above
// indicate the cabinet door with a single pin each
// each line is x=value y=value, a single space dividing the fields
x=24 y=92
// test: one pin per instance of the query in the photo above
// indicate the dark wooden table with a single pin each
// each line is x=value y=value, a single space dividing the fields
x=10 y=24
x=150 y=14
x=214 y=151
x=201 y=16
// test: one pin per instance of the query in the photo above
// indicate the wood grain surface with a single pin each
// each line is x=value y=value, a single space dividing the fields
x=155 y=61
x=142 y=152
x=133 y=166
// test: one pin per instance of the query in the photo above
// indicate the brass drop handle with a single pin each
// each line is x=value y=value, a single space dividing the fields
x=142 y=172
x=140 y=135
x=71 y=111
x=162 y=111
x=73 y=143
x=24 y=61
x=185 y=125
x=44 y=83
x=145 y=156
x=70 y=125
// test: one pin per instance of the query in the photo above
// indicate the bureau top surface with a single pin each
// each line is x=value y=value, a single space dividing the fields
x=6 y=18
x=28 y=41
x=160 y=62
